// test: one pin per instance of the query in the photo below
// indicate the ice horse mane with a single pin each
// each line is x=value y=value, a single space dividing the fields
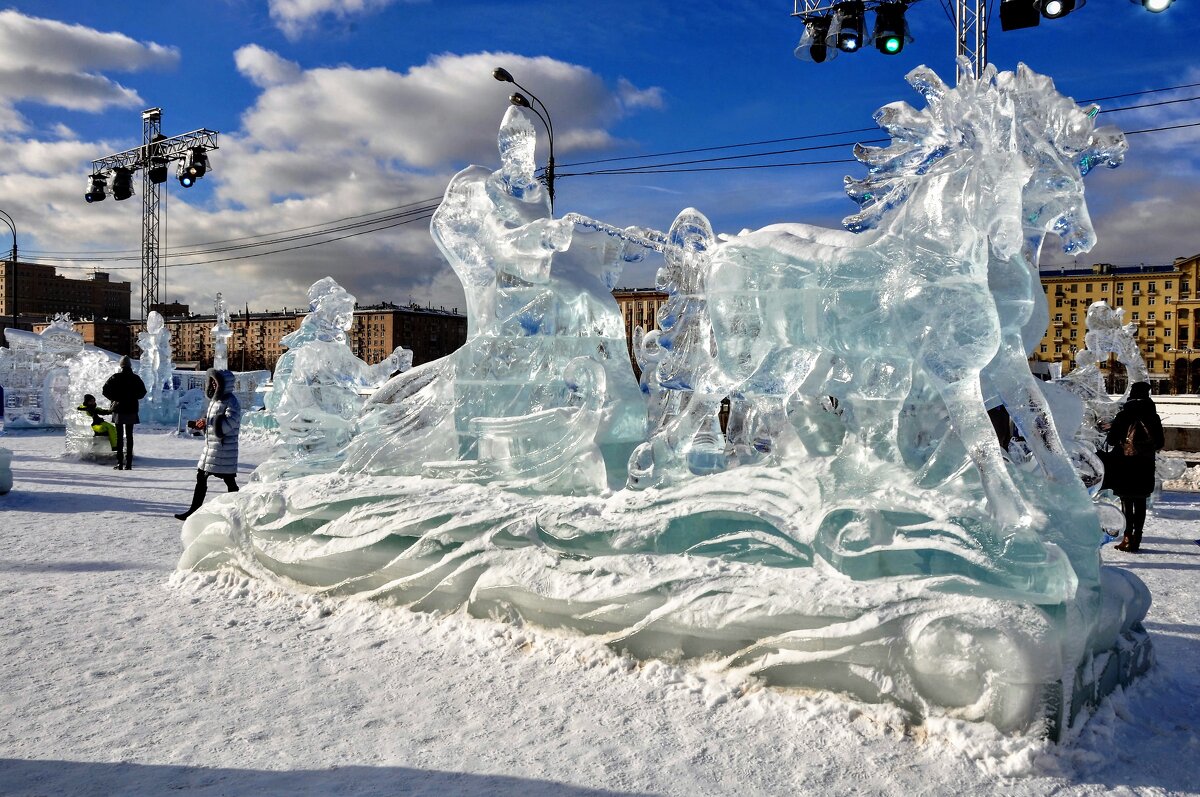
x=1019 y=135
x=970 y=126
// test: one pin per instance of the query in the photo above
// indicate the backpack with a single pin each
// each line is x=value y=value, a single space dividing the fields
x=1137 y=440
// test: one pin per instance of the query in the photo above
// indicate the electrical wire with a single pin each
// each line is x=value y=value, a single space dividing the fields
x=422 y=209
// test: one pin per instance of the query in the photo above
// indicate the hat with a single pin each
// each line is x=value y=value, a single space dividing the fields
x=126 y=363
x=1139 y=390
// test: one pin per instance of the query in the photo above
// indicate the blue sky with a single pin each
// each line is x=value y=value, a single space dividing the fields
x=335 y=108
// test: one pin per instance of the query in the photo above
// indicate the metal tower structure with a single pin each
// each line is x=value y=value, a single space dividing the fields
x=152 y=159
x=970 y=25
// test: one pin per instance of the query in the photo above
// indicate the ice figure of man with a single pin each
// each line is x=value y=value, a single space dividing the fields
x=543 y=328
x=319 y=385
x=155 y=366
x=221 y=332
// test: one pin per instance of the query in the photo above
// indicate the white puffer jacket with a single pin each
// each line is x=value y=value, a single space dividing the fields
x=222 y=422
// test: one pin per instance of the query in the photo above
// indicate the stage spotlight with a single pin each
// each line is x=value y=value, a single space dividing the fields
x=158 y=170
x=197 y=163
x=1154 y=6
x=186 y=179
x=891 y=29
x=1053 y=9
x=122 y=184
x=847 y=30
x=96 y=186
x=812 y=45
x=1017 y=14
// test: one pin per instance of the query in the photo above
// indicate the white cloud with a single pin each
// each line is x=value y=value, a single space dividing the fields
x=264 y=68
x=295 y=17
x=316 y=145
x=57 y=64
x=633 y=97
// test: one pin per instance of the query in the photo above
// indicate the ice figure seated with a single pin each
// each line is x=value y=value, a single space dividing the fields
x=319 y=385
x=541 y=396
x=87 y=372
x=860 y=529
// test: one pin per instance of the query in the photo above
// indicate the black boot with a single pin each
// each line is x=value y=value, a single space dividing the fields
x=197 y=495
x=129 y=455
x=120 y=462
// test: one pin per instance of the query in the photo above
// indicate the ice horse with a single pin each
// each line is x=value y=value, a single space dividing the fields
x=879 y=544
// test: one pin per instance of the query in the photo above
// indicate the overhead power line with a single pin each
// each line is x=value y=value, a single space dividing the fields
x=420 y=210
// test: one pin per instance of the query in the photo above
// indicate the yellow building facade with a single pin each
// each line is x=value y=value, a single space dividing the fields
x=1161 y=300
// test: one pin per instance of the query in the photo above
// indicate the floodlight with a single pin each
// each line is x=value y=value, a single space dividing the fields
x=812 y=45
x=891 y=29
x=96 y=186
x=158 y=170
x=186 y=179
x=1017 y=14
x=1154 y=6
x=122 y=184
x=197 y=163
x=847 y=31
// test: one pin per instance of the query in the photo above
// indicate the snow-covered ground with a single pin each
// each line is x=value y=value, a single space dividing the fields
x=119 y=676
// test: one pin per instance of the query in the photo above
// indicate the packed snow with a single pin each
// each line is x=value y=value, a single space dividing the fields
x=122 y=676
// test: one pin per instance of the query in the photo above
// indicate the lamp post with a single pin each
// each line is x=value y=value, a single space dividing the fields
x=13 y=226
x=519 y=99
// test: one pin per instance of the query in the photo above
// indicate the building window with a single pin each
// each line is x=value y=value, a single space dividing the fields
x=1137 y=300
x=1167 y=315
x=1058 y=316
x=1103 y=287
x=1088 y=287
x=1074 y=288
x=1150 y=315
x=1044 y=347
x=1151 y=300
x=1137 y=286
x=1058 y=303
x=1074 y=318
x=1120 y=287
x=1167 y=284
x=1073 y=334
x=1134 y=316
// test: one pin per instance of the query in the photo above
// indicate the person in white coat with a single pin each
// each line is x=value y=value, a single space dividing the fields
x=222 y=422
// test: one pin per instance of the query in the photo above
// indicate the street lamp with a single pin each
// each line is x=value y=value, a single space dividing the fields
x=520 y=100
x=12 y=226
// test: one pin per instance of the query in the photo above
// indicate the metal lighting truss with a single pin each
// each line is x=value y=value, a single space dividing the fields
x=155 y=150
x=970 y=24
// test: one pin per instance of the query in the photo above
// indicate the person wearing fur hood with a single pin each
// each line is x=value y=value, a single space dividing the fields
x=222 y=422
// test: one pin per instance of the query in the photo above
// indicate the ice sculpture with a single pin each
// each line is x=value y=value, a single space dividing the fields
x=221 y=333
x=86 y=373
x=161 y=404
x=855 y=528
x=33 y=371
x=319 y=385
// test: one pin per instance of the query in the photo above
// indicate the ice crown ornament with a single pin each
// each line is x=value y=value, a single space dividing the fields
x=853 y=525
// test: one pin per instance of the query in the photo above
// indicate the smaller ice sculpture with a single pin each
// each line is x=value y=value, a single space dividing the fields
x=34 y=374
x=87 y=373
x=319 y=385
x=221 y=333
x=156 y=370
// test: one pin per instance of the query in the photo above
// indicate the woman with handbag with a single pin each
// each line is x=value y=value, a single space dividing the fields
x=1135 y=435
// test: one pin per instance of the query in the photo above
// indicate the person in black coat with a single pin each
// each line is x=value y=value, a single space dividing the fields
x=1131 y=461
x=125 y=389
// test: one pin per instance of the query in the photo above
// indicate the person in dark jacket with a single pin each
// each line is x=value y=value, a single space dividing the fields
x=1135 y=435
x=125 y=389
x=222 y=422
